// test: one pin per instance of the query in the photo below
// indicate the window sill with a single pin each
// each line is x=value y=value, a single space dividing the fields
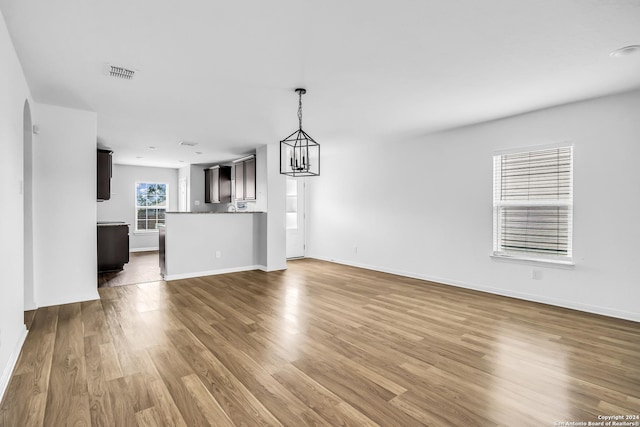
x=566 y=264
x=144 y=232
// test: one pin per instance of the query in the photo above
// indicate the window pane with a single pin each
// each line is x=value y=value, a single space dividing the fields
x=292 y=220
x=141 y=194
x=543 y=230
x=151 y=200
x=536 y=175
x=538 y=190
x=292 y=204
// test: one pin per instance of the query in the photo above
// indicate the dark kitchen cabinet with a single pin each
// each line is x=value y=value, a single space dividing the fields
x=245 y=173
x=113 y=246
x=104 y=175
x=217 y=184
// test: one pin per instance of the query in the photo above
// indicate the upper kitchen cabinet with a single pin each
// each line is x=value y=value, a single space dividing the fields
x=245 y=171
x=217 y=184
x=104 y=175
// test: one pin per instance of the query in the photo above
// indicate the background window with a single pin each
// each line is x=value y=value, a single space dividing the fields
x=151 y=205
x=533 y=203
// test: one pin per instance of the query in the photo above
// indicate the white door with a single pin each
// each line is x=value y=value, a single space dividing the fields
x=295 y=217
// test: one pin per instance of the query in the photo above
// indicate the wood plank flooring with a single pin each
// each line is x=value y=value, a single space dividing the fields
x=142 y=267
x=319 y=344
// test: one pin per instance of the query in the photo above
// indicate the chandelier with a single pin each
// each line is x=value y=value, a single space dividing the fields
x=299 y=153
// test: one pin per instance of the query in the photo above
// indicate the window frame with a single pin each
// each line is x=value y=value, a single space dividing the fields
x=136 y=206
x=531 y=256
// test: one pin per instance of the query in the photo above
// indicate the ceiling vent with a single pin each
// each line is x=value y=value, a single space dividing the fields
x=188 y=144
x=121 y=72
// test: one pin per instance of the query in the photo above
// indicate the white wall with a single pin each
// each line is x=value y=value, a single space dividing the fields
x=423 y=207
x=121 y=206
x=196 y=190
x=64 y=228
x=192 y=240
x=14 y=90
x=271 y=196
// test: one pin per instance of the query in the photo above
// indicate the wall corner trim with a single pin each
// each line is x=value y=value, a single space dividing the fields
x=11 y=363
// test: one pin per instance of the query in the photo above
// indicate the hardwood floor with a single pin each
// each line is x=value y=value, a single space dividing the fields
x=142 y=267
x=319 y=344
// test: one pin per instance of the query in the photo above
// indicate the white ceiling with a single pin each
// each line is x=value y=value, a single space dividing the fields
x=222 y=73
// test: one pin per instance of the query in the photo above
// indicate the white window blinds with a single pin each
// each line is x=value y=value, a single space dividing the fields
x=532 y=203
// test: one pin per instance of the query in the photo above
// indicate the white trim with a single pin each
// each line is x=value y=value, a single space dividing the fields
x=242 y=159
x=526 y=203
x=171 y=277
x=518 y=150
x=279 y=268
x=148 y=249
x=11 y=363
x=136 y=207
x=604 y=311
x=80 y=297
x=550 y=262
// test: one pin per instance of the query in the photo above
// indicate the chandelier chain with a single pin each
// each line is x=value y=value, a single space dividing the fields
x=300 y=109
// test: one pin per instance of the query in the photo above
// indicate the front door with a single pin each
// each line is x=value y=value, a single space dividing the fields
x=295 y=217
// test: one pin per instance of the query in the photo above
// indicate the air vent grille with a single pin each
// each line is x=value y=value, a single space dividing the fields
x=188 y=143
x=121 y=72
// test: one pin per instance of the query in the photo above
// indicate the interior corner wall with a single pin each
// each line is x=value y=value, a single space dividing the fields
x=64 y=206
x=121 y=205
x=423 y=207
x=196 y=190
x=15 y=91
x=268 y=164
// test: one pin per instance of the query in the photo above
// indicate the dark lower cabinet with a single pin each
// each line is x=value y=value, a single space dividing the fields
x=113 y=246
x=162 y=249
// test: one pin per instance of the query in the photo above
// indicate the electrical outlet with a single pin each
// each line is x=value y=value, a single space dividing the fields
x=197 y=203
x=218 y=254
x=536 y=274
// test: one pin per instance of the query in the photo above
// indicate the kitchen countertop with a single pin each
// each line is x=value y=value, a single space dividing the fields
x=111 y=223
x=209 y=213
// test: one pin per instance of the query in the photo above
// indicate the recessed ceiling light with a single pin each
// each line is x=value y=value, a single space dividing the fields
x=180 y=161
x=152 y=148
x=625 y=51
x=139 y=157
x=188 y=144
x=198 y=152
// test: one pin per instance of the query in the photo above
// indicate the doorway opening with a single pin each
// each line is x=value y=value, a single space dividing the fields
x=296 y=217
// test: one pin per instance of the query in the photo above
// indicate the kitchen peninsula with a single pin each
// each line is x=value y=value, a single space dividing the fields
x=206 y=243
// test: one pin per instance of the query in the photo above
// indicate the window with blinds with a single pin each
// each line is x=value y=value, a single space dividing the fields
x=533 y=203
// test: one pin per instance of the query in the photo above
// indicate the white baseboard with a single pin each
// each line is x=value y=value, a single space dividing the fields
x=605 y=311
x=279 y=268
x=86 y=296
x=171 y=277
x=11 y=364
x=30 y=305
x=149 y=249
